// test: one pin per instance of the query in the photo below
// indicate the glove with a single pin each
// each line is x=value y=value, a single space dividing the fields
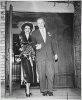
x=56 y=57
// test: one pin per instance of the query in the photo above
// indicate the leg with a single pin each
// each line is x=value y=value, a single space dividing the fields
x=42 y=75
x=27 y=88
x=27 y=69
x=50 y=74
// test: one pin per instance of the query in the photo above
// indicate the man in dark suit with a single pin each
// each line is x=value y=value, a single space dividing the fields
x=42 y=42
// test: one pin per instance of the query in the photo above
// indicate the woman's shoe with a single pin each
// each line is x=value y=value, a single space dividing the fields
x=28 y=95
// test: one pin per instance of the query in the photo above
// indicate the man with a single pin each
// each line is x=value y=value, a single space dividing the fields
x=42 y=42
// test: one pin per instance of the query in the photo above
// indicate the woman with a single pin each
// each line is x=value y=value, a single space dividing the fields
x=27 y=55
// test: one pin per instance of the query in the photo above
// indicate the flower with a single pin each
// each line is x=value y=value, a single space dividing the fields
x=49 y=34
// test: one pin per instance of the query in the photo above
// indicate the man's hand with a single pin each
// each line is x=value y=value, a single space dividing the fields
x=25 y=55
x=38 y=46
x=56 y=57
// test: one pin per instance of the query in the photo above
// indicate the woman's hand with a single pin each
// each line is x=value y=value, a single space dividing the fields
x=21 y=49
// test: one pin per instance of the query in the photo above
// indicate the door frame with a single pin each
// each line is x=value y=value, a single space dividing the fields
x=36 y=14
x=9 y=52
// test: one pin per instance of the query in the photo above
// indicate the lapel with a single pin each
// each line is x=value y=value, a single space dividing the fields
x=47 y=35
x=25 y=38
x=40 y=36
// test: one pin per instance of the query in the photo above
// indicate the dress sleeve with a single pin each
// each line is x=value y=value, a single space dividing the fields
x=21 y=45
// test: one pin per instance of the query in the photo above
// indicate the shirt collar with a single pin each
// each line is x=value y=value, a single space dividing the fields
x=42 y=30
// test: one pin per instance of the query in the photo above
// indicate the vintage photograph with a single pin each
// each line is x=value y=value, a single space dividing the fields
x=40 y=49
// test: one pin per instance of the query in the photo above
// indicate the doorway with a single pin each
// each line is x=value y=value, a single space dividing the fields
x=62 y=23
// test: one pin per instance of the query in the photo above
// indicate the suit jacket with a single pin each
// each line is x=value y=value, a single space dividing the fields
x=46 y=51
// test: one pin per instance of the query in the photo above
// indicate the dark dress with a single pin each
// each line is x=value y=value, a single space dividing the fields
x=29 y=70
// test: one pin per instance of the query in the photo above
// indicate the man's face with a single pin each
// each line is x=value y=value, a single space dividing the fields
x=40 y=23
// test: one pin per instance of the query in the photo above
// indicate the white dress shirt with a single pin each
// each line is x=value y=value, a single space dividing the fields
x=43 y=33
x=27 y=36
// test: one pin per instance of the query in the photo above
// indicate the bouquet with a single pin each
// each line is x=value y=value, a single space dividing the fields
x=27 y=50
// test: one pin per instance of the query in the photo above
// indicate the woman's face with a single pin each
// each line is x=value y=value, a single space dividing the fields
x=27 y=29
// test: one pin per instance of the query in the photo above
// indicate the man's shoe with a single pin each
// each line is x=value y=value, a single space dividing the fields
x=44 y=93
x=50 y=93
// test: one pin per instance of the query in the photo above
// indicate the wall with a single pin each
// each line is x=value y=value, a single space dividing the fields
x=2 y=41
x=40 y=6
x=2 y=48
x=77 y=43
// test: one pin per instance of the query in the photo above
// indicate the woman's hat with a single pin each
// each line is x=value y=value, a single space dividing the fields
x=27 y=24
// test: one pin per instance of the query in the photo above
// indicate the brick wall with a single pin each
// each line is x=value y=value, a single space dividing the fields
x=77 y=42
x=2 y=41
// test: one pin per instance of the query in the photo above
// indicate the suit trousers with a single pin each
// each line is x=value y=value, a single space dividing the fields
x=46 y=75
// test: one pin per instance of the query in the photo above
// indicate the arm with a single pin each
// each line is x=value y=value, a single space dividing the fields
x=20 y=41
x=34 y=42
x=54 y=44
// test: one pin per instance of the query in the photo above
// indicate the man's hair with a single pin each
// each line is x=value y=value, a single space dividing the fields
x=41 y=19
